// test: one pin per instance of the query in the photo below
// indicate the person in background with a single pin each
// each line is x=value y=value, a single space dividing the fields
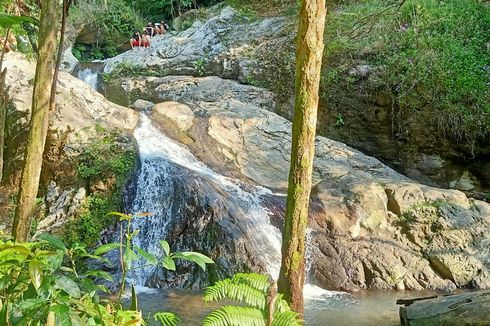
x=150 y=29
x=159 y=30
x=145 y=39
x=136 y=40
x=165 y=26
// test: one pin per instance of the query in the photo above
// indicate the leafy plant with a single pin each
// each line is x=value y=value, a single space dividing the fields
x=339 y=122
x=199 y=66
x=259 y=303
x=101 y=160
x=48 y=283
x=124 y=70
x=128 y=252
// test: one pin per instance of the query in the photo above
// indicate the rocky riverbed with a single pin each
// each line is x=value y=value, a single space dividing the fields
x=371 y=227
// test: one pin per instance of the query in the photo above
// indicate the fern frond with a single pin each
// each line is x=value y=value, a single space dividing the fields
x=167 y=318
x=241 y=293
x=281 y=305
x=257 y=281
x=288 y=318
x=235 y=316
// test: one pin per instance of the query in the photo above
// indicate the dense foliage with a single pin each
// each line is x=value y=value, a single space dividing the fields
x=108 y=25
x=106 y=161
x=431 y=55
x=48 y=283
x=166 y=9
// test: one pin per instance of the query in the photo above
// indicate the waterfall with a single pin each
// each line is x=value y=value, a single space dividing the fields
x=89 y=72
x=163 y=162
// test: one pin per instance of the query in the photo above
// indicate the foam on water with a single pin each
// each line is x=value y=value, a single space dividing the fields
x=90 y=76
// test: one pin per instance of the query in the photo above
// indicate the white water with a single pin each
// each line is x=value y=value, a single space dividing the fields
x=90 y=76
x=154 y=194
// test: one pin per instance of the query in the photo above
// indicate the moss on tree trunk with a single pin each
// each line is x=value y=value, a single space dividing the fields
x=308 y=66
x=3 y=114
x=43 y=83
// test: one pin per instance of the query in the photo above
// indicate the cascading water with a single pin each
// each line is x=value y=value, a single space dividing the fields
x=154 y=193
x=89 y=72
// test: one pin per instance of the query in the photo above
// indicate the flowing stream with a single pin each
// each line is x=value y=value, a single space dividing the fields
x=154 y=194
x=162 y=160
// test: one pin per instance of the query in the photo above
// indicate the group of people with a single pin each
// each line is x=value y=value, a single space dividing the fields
x=143 y=40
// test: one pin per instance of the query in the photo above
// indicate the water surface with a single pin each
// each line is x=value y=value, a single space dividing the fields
x=367 y=308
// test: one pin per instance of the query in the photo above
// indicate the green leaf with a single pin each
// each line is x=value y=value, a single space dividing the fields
x=100 y=274
x=235 y=316
x=241 y=293
x=122 y=216
x=134 y=299
x=106 y=248
x=68 y=285
x=36 y=273
x=195 y=257
x=9 y=20
x=62 y=315
x=128 y=257
x=55 y=261
x=54 y=241
x=28 y=305
x=168 y=263
x=167 y=318
x=165 y=246
x=20 y=249
x=150 y=258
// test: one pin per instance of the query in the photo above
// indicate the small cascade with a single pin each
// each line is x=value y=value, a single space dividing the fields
x=310 y=291
x=166 y=164
x=90 y=72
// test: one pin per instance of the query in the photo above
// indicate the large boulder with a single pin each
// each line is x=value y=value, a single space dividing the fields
x=77 y=120
x=219 y=46
x=370 y=226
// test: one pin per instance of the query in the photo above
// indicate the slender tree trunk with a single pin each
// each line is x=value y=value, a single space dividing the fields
x=3 y=102
x=3 y=113
x=66 y=7
x=43 y=83
x=308 y=66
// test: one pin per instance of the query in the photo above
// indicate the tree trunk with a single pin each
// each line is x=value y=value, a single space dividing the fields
x=308 y=66
x=39 y=120
x=52 y=99
x=3 y=113
x=3 y=102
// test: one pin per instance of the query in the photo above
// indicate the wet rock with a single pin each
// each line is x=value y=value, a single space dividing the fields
x=141 y=105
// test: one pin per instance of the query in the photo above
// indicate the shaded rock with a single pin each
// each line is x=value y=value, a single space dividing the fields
x=61 y=204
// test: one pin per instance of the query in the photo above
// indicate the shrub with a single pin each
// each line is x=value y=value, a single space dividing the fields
x=106 y=161
x=432 y=55
x=113 y=25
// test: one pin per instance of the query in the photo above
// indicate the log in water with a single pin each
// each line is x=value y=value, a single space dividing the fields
x=471 y=308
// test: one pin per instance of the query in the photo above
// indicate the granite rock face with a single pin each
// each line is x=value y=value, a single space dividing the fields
x=370 y=226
